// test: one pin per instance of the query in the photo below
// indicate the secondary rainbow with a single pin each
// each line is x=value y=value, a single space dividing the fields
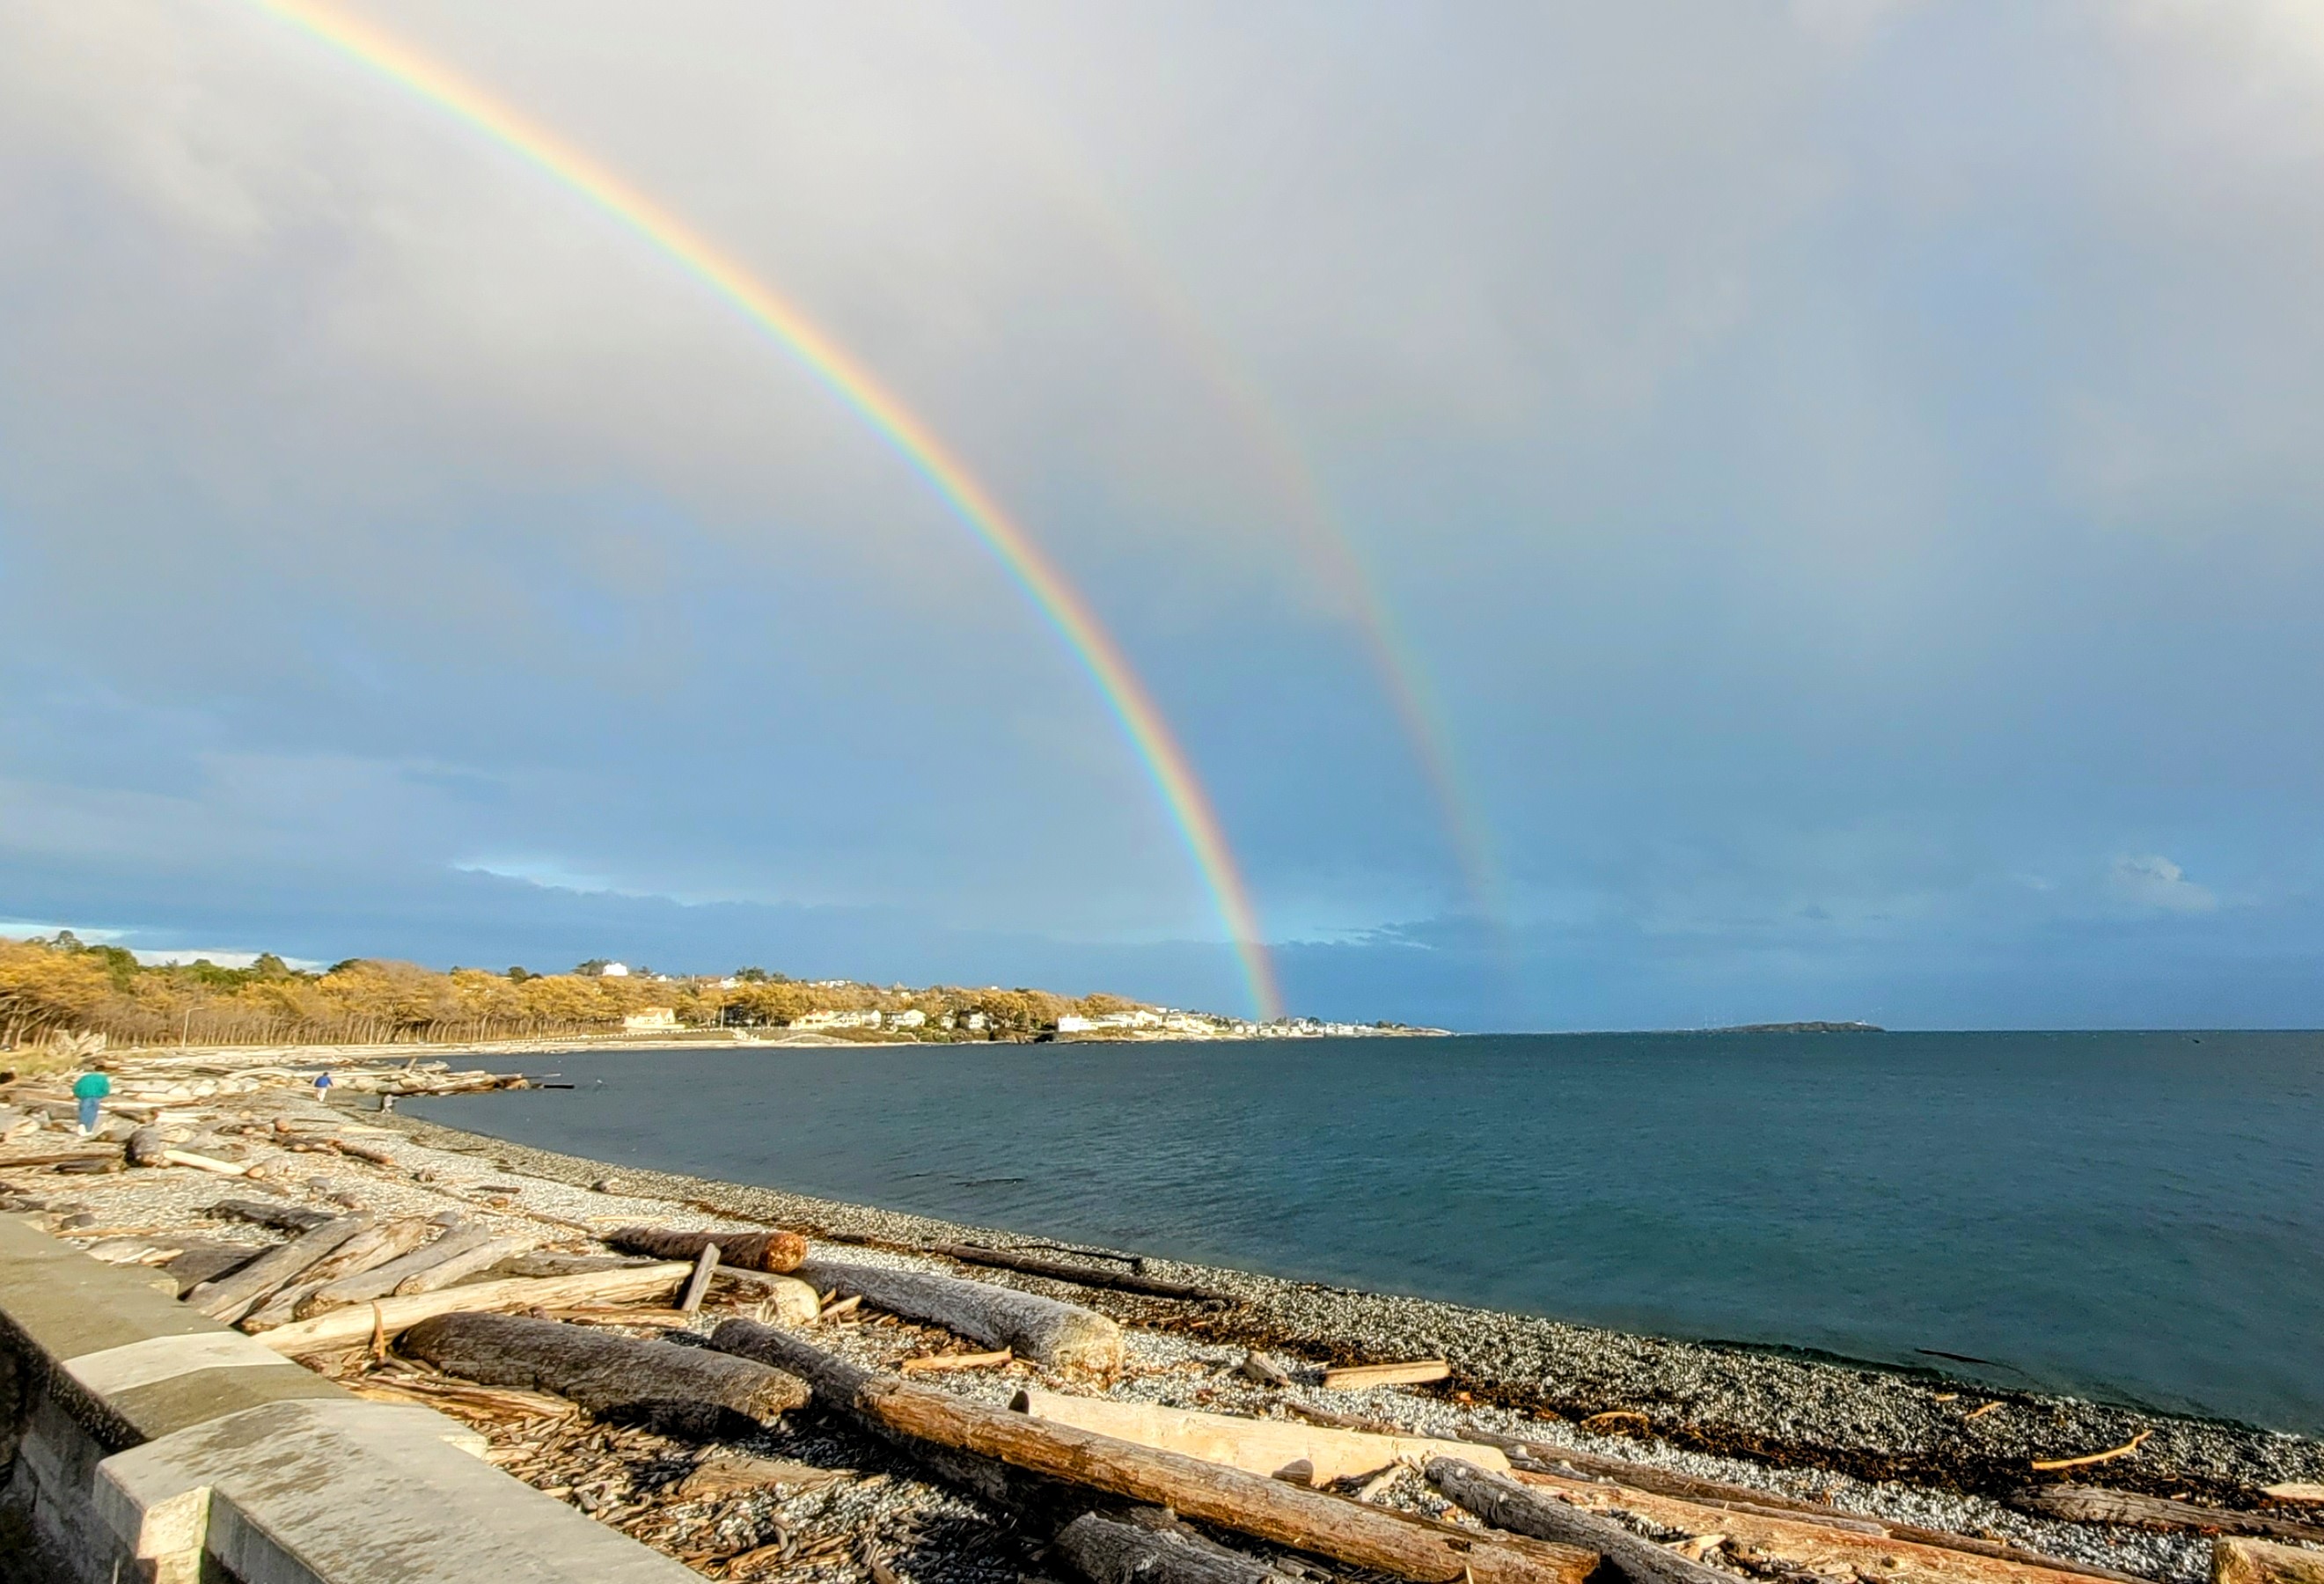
x=838 y=371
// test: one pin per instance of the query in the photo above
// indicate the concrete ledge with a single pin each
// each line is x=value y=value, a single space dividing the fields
x=297 y=1493
x=145 y=1441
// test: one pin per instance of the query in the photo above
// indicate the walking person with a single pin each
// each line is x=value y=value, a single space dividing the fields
x=90 y=1089
x=323 y=1084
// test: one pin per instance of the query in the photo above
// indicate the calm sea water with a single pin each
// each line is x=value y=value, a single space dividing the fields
x=2137 y=1217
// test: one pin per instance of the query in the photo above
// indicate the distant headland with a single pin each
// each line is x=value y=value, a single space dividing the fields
x=65 y=988
x=1796 y=1028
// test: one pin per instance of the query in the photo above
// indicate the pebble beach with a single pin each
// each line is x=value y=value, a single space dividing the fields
x=813 y=1497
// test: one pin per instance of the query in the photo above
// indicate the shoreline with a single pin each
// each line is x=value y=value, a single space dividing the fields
x=1910 y=1448
x=1907 y=1445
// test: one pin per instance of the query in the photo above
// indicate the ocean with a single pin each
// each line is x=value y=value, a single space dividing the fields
x=2136 y=1218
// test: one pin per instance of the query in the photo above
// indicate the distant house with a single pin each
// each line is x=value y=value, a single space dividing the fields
x=837 y=1020
x=646 y=1018
x=911 y=1019
x=1070 y=1024
x=614 y=971
x=973 y=1022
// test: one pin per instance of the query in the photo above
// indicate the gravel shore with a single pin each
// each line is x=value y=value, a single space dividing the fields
x=1905 y=1448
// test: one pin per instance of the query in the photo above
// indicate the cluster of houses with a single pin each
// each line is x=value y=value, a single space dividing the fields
x=973 y=1022
x=1134 y=1023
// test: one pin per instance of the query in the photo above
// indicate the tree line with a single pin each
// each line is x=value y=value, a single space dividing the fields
x=63 y=985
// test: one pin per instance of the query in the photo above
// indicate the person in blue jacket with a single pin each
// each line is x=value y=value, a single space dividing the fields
x=90 y=1089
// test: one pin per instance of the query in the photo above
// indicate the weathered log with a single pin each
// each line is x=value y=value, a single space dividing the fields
x=1274 y=1447
x=1531 y=1457
x=925 y=1419
x=1506 y=1505
x=380 y=1279
x=205 y=1260
x=698 y=1285
x=146 y=1147
x=347 y=1327
x=463 y=1263
x=679 y=1391
x=2260 y=1561
x=288 y=1218
x=535 y=1264
x=230 y=1297
x=2089 y=1504
x=732 y=1473
x=1040 y=1329
x=1819 y=1546
x=787 y=1298
x=1076 y=1272
x=944 y=1363
x=1104 y=1550
x=65 y=1157
x=203 y=1162
x=361 y=1256
x=1352 y=1377
x=362 y=1151
x=373 y=1248
x=1263 y=1368
x=769 y=1251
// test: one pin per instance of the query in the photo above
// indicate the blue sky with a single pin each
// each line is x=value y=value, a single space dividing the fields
x=1847 y=471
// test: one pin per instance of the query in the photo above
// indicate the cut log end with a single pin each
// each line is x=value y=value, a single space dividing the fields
x=775 y=1252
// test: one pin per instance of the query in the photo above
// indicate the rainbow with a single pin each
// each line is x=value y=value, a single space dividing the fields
x=1051 y=594
x=1323 y=540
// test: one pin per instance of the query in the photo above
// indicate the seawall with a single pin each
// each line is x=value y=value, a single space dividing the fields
x=143 y=1441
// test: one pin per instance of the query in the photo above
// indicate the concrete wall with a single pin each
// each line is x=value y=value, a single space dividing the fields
x=143 y=1441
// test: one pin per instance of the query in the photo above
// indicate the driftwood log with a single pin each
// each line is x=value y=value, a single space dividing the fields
x=1356 y=1378
x=203 y=1162
x=288 y=1218
x=463 y=1263
x=353 y=1273
x=1819 y=1546
x=2260 y=1561
x=786 y=1298
x=677 y=1391
x=1076 y=1271
x=1532 y=1457
x=924 y=1418
x=230 y=1297
x=769 y=1251
x=1105 y=1551
x=343 y=1328
x=1040 y=1329
x=1307 y=1454
x=205 y=1259
x=379 y=1280
x=146 y=1147
x=372 y=1246
x=1504 y=1504
x=2089 y=1504
x=534 y=1264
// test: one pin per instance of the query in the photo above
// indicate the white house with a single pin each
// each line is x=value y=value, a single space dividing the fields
x=614 y=971
x=909 y=1019
x=650 y=1018
x=838 y=1020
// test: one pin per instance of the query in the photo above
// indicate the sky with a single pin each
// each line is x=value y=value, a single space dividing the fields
x=1643 y=516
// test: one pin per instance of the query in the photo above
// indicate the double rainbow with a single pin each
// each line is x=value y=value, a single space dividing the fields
x=1055 y=598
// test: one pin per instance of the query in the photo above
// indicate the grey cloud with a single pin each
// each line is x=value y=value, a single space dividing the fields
x=1744 y=412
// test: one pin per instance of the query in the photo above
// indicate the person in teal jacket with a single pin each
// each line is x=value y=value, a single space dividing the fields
x=90 y=1087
